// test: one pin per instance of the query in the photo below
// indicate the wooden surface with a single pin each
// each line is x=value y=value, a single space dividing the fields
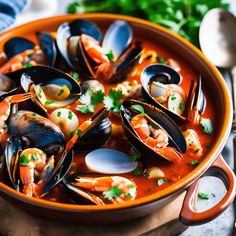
x=163 y=222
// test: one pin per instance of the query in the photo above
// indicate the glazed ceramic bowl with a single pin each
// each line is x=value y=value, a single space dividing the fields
x=141 y=207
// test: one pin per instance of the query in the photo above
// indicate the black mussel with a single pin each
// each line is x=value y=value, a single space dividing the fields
x=92 y=84
x=160 y=88
x=48 y=45
x=120 y=69
x=17 y=45
x=97 y=133
x=7 y=86
x=75 y=28
x=118 y=37
x=196 y=102
x=151 y=131
x=28 y=168
x=37 y=130
x=54 y=88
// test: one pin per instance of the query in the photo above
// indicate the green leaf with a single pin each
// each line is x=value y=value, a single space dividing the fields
x=110 y=55
x=161 y=181
x=71 y=9
x=70 y=115
x=23 y=160
x=59 y=114
x=161 y=59
x=181 y=106
x=97 y=97
x=207 y=126
x=4 y=127
x=112 y=102
x=135 y=156
x=27 y=65
x=79 y=132
x=112 y=193
x=85 y=108
x=127 y=195
x=194 y=163
x=49 y=102
x=203 y=196
x=137 y=171
x=172 y=97
x=61 y=91
x=75 y=76
x=34 y=157
x=139 y=108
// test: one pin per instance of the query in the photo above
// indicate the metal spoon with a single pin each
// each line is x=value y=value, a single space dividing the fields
x=217 y=39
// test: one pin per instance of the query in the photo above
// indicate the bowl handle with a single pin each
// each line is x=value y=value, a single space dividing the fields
x=189 y=216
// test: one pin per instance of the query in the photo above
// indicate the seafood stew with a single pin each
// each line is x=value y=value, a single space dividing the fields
x=117 y=123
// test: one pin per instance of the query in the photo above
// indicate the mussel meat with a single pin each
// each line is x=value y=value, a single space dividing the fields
x=151 y=131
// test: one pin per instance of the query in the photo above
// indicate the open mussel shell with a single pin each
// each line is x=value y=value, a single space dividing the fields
x=17 y=45
x=75 y=28
x=98 y=132
x=38 y=77
x=49 y=47
x=37 y=130
x=118 y=37
x=162 y=74
x=109 y=161
x=176 y=137
x=10 y=159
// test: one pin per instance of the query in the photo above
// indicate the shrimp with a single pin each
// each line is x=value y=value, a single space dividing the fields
x=125 y=189
x=154 y=137
x=5 y=108
x=33 y=162
x=93 y=49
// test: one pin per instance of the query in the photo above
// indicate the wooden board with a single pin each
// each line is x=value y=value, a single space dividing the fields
x=14 y=222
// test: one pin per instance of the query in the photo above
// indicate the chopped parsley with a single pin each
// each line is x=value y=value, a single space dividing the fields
x=194 y=162
x=49 y=102
x=172 y=97
x=72 y=133
x=181 y=106
x=40 y=95
x=110 y=55
x=89 y=101
x=59 y=114
x=153 y=126
x=61 y=91
x=72 y=8
x=127 y=195
x=203 y=196
x=75 y=76
x=139 y=108
x=135 y=156
x=31 y=55
x=207 y=126
x=27 y=65
x=34 y=157
x=137 y=171
x=112 y=193
x=79 y=132
x=161 y=60
x=23 y=160
x=131 y=186
x=207 y=145
x=70 y=115
x=161 y=181
x=4 y=127
x=112 y=102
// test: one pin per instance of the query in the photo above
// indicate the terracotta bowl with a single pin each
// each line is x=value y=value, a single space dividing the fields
x=141 y=207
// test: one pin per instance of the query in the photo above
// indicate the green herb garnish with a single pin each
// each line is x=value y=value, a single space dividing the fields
x=79 y=132
x=75 y=76
x=139 y=108
x=61 y=91
x=40 y=95
x=49 y=102
x=161 y=59
x=112 y=102
x=70 y=115
x=110 y=55
x=172 y=97
x=112 y=193
x=34 y=157
x=131 y=186
x=181 y=106
x=31 y=55
x=135 y=156
x=207 y=145
x=137 y=171
x=207 y=126
x=194 y=163
x=23 y=160
x=161 y=181
x=27 y=65
x=4 y=127
x=59 y=114
x=203 y=196
x=72 y=133
x=127 y=195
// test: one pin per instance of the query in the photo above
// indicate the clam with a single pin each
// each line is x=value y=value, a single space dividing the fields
x=16 y=151
x=75 y=28
x=93 y=85
x=109 y=161
x=162 y=137
x=17 y=45
x=97 y=133
x=37 y=131
x=54 y=88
